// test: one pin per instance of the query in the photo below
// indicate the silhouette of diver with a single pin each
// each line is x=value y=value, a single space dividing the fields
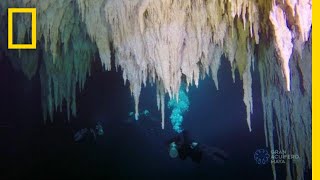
x=88 y=134
x=143 y=115
x=184 y=147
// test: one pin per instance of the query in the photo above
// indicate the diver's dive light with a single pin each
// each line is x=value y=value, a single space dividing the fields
x=173 y=151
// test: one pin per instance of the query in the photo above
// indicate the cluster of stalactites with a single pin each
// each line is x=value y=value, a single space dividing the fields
x=94 y=17
x=166 y=40
x=66 y=58
x=67 y=62
x=290 y=25
x=287 y=116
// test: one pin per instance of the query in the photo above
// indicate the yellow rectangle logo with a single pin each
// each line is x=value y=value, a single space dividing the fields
x=33 y=12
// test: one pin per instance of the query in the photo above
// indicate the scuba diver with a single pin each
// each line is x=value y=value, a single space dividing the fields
x=143 y=114
x=88 y=134
x=184 y=147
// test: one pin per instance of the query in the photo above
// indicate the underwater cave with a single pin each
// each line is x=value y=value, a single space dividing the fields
x=235 y=75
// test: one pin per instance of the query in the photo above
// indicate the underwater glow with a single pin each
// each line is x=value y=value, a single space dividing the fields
x=179 y=107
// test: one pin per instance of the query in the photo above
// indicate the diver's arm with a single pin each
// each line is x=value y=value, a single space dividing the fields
x=79 y=135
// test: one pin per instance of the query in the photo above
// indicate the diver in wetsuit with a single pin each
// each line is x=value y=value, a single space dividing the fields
x=184 y=147
x=88 y=134
x=145 y=114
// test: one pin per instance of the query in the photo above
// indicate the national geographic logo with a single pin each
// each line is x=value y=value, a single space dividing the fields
x=33 y=44
x=262 y=156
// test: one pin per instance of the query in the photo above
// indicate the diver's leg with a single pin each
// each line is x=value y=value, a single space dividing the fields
x=216 y=154
x=94 y=134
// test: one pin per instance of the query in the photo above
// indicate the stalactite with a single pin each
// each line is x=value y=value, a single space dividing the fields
x=283 y=40
x=178 y=37
x=247 y=86
x=67 y=50
x=215 y=54
x=96 y=24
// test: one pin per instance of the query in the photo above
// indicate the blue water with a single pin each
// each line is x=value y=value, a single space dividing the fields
x=131 y=149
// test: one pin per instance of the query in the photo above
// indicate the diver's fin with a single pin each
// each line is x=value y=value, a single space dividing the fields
x=216 y=154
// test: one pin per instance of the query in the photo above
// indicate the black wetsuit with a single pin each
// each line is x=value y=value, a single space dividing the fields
x=185 y=147
x=85 y=135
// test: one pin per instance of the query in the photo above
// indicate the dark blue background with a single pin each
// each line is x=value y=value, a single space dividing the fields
x=30 y=148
